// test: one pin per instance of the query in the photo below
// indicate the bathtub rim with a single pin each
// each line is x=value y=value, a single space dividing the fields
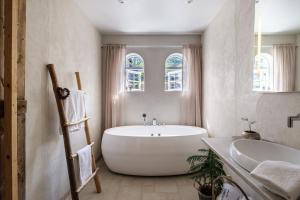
x=203 y=132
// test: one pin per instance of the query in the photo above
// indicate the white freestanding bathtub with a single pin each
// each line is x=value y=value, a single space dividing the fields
x=151 y=150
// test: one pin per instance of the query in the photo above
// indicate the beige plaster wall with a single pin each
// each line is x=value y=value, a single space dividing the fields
x=227 y=69
x=228 y=64
x=57 y=33
x=272 y=113
x=154 y=101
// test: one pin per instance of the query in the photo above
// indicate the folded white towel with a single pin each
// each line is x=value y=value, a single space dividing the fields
x=74 y=107
x=84 y=164
x=279 y=177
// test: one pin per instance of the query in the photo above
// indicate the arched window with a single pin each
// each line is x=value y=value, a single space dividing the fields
x=135 y=74
x=263 y=78
x=173 y=72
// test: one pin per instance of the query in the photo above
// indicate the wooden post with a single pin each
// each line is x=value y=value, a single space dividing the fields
x=1 y=96
x=1 y=46
x=88 y=139
x=10 y=100
x=2 y=9
x=22 y=104
x=21 y=48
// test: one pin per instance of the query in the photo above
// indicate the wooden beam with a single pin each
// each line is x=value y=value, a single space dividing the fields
x=22 y=104
x=1 y=95
x=1 y=46
x=22 y=107
x=10 y=100
x=21 y=48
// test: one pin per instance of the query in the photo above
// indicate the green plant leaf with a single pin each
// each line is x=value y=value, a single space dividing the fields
x=205 y=167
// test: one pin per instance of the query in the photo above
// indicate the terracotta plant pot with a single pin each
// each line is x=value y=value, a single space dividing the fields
x=251 y=135
x=203 y=196
x=201 y=192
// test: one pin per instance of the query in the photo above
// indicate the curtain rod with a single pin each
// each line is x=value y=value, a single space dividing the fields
x=154 y=46
x=272 y=45
x=150 y=46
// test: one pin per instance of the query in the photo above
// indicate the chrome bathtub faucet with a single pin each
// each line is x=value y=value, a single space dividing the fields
x=144 y=116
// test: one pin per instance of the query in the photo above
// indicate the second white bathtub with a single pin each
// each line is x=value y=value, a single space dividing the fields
x=151 y=150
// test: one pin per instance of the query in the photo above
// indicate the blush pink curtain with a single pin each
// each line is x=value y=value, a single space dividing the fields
x=191 y=99
x=113 y=87
x=284 y=67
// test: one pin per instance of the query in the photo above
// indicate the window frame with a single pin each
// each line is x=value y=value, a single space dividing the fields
x=126 y=74
x=165 y=73
x=269 y=59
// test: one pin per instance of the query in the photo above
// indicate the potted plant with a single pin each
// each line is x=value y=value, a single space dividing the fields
x=205 y=168
x=250 y=134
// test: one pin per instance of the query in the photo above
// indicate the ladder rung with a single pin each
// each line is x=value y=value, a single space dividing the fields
x=75 y=154
x=88 y=180
x=74 y=123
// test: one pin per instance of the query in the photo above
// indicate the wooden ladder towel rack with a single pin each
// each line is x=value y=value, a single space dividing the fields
x=65 y=130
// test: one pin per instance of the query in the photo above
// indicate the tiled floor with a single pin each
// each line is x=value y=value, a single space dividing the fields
x=121 y=187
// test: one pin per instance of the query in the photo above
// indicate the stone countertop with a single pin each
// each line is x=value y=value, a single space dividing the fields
x=221 y=147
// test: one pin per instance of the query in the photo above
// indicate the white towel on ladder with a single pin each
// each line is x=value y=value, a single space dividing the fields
x=84 y=164
x=75 y=110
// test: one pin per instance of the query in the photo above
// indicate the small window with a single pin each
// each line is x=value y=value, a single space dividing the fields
x=135 y=74
x=263 y=79
x=173 y=72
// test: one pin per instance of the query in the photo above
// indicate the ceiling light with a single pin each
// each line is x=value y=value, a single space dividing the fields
x=121 y=1
x=190 y=1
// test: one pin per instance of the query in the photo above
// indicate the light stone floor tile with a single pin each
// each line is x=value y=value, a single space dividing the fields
x=133 y=192
x=188 y=192
x=174 y=196
x=147 y=188
x=166 y=185
x=122 y=187
x=154 y=196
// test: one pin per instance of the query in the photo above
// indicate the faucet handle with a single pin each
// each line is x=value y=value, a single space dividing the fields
x=291 y=119
x=154 y=122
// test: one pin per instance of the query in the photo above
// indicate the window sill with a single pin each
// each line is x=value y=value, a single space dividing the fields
x=175 y=91
x=135 y=91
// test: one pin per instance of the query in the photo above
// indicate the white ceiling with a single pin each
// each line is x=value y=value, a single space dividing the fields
x=278 y=16
x=150 y=16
